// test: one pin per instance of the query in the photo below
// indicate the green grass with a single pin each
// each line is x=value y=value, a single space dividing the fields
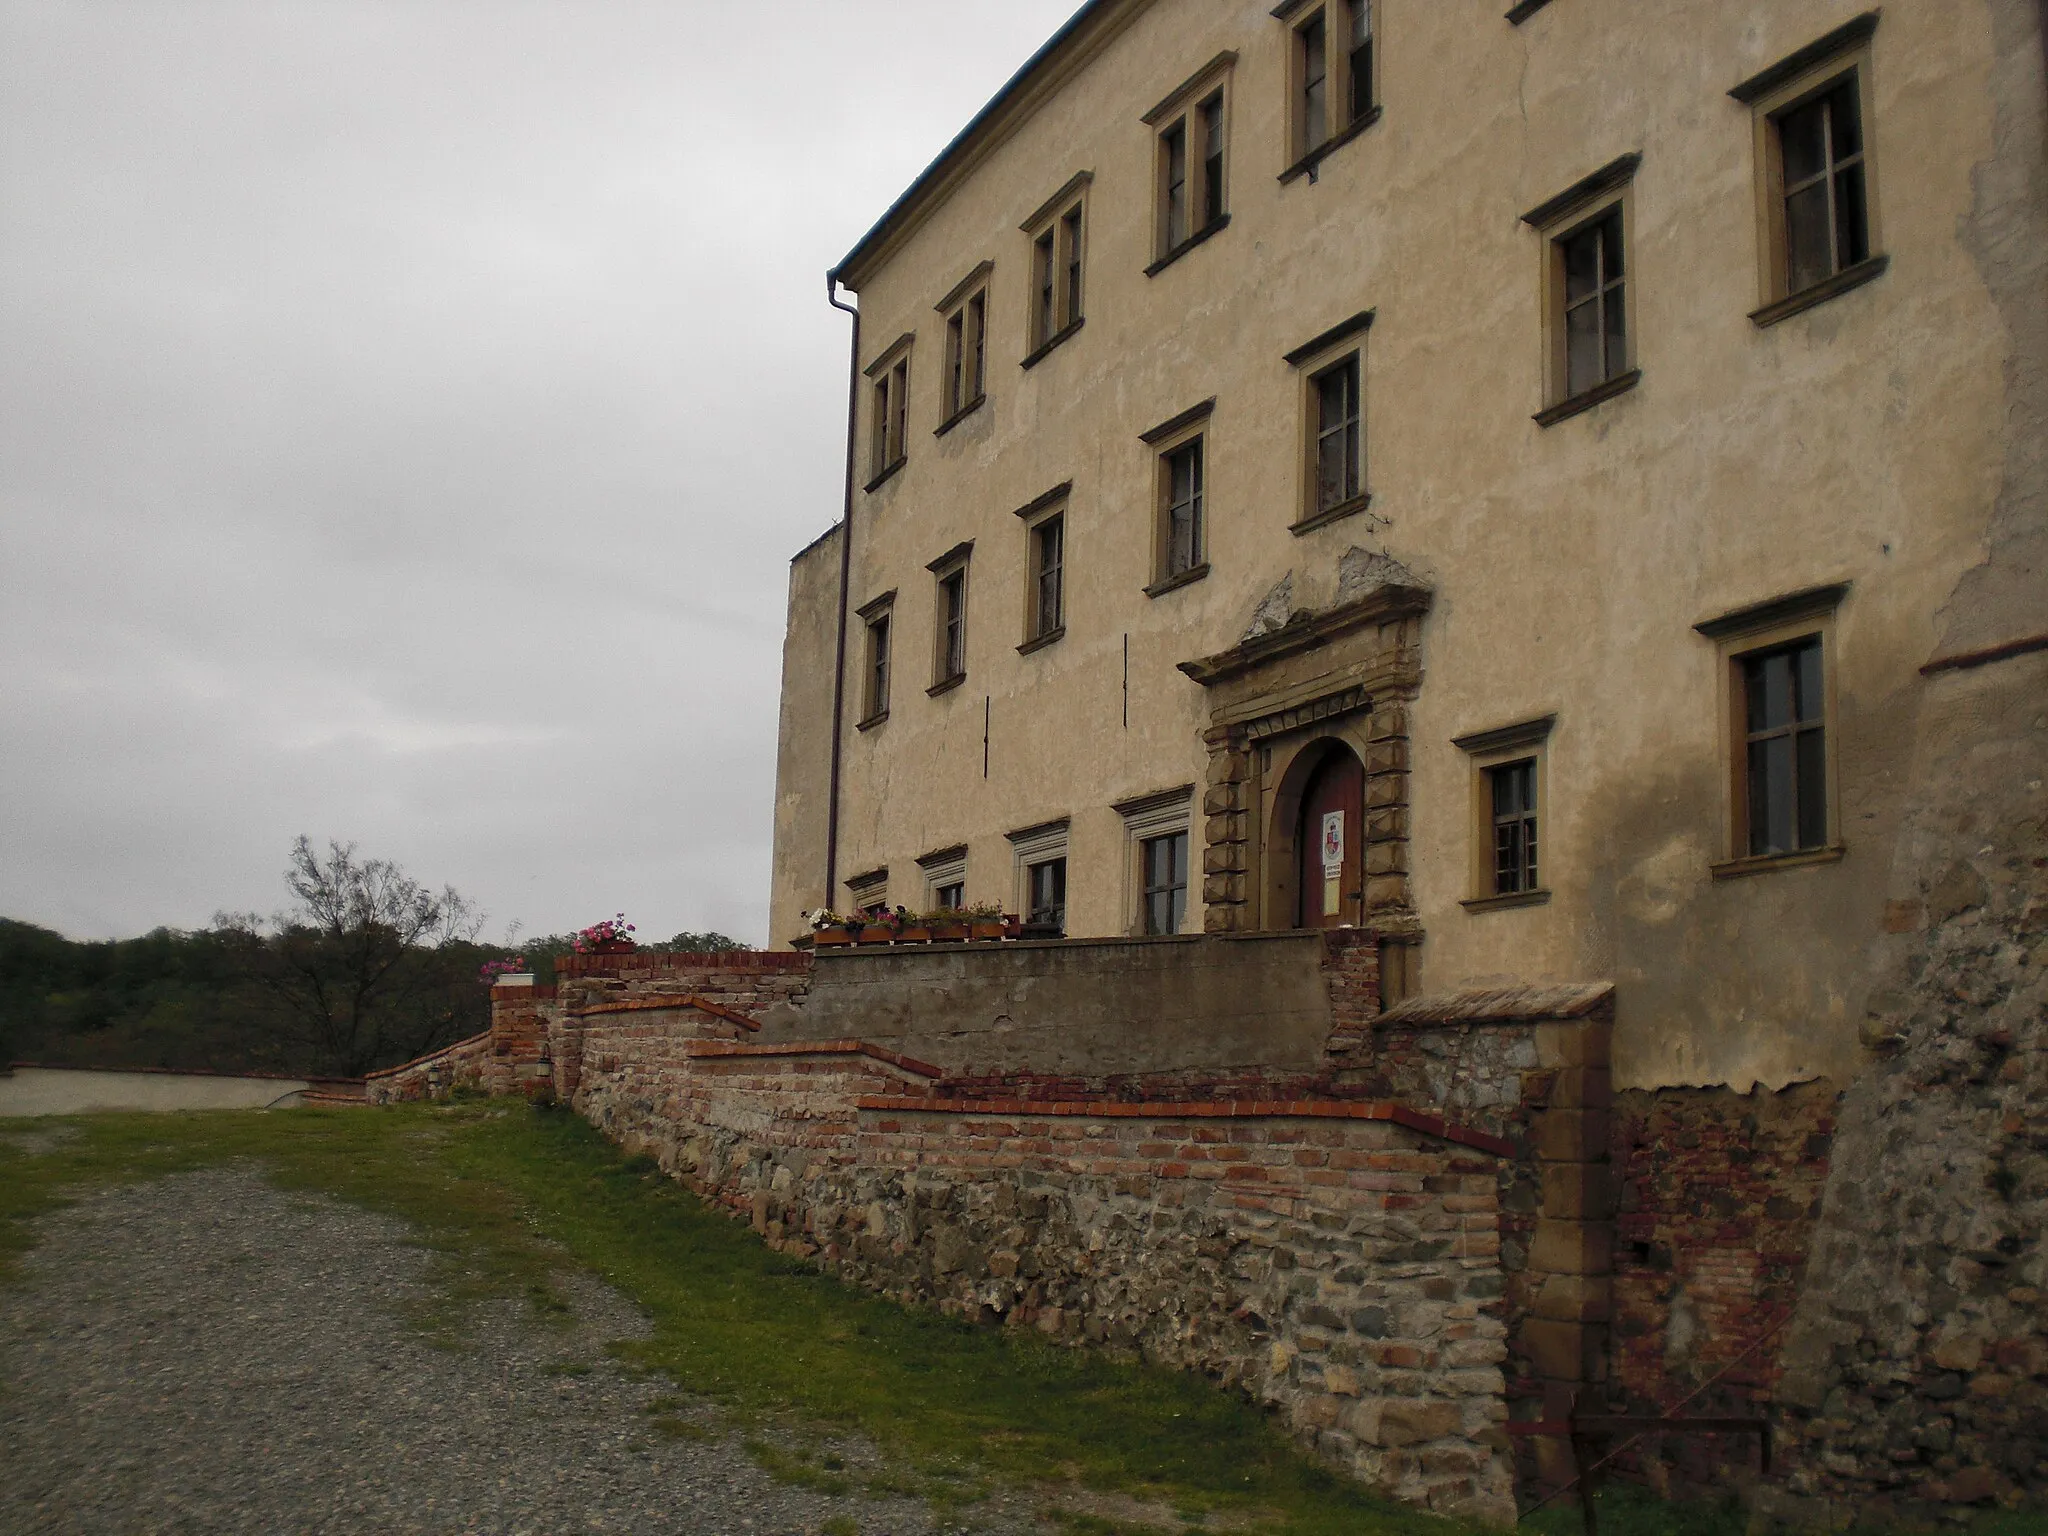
x=507 y=1198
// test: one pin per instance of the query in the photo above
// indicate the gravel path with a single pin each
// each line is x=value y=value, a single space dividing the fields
x=207 y=1353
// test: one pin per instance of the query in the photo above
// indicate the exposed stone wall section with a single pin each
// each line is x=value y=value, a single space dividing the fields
x=1916 y=1367
x=1343 y=1270
x=461 y=1066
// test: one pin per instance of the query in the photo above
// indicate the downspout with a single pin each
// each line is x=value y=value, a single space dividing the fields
x=845 y=582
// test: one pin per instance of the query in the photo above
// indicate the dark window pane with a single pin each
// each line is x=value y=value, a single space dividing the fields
x=1049 y=893
x=1802 y=140
x=1813 y=789
x=1581 y=265
x=1176 y=186
x=1314 y=83
x=1852 y=220
x=1072 y=224
x=1610 y=247
x=1583 y=351
x=1361 y=57
x=1045 y=285
x=952 y=896
x=1770 y=795
x=1845 y=120
x=1807 y=660
x=1507 y=858
x=1617 y=331
x=1769 y=690
x=1808 y=240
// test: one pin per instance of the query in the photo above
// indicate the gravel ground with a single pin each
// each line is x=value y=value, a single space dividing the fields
x=207 y=1353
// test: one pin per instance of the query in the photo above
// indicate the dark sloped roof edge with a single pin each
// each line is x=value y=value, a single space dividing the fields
x=913 y=197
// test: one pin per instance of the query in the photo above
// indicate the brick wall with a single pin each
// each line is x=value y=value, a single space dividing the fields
x=463 y=1065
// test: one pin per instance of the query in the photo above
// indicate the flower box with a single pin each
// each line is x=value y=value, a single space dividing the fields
x=874 y=933
x=987 y=928
x=613 y=947
x=830 y=935
x=949 y=933
x=914 y=933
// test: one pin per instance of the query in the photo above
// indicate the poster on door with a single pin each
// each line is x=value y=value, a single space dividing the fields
x=1333 y=844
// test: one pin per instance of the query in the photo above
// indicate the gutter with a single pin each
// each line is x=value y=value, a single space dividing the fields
x=845 y=583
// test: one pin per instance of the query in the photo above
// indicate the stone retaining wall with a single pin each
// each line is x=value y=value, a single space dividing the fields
x=463 y=1065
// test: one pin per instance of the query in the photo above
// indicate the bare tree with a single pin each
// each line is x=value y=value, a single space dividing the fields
x=371 y=965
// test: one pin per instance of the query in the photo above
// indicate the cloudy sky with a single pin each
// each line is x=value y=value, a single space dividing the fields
x=407 y=413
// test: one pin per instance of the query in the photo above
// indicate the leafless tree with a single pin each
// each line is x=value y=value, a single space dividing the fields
x=372 y=966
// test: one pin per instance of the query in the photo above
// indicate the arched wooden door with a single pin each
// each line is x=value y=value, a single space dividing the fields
x=1331 y=843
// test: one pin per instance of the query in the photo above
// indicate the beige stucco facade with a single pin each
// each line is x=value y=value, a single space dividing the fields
x=1885 y=443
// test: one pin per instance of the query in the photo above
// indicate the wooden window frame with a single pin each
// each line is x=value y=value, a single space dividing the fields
x=877 y=617
x=1795 y=81
x=1315 y=360
x=1305 y=153
x=1058 y=234
x=1485 y=753
x=889 y=410
x=964 y=315
x=949 y=567
x=1190 y=430
x=1738 y=637
x=1033 y=846
x=1164 y=814
x=1182 y=117
x=1607 y=193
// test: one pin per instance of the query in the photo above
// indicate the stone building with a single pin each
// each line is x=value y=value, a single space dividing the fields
x=1564 y=493
x=1543 y=451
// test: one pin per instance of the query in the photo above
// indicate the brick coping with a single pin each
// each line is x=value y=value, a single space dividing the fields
x=430 y=1057
x=1197 y=1109
x=669 y=1000
x=718 y=1049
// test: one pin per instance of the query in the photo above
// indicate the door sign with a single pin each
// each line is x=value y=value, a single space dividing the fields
x=1333 y=844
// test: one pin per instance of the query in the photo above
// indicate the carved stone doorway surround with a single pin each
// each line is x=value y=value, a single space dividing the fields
x=1276 y=699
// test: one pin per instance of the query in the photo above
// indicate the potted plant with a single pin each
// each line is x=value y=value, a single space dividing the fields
x=613 y=936
x=879 y=926
x=985 y=920
x=829 y=928
x=949 y=925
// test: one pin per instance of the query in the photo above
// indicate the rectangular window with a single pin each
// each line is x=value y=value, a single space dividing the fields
x=952 y=898
x=1820 y=148
x=1165 y=865
x=966 y=344
x=1058 y=248
x=945 y=878
x=869 y=892
x=1046 y=885
x=1337 y=437
x=952 y=626
x=1191 y=190
x=1816 y=181
x=1211 y=115
x=889 y=395
x=1785 y=764
x=1182 y=533
x=1513 y=792
x=1048 y=576
x=876 y=702
x=1595 y=328
x=1331 y=77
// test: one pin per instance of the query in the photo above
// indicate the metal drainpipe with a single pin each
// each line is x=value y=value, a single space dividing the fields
x=845 y=582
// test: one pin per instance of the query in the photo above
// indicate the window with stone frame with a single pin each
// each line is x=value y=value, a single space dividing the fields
x=964 y=313
x=949 y=619
x=1332 y=80
x=1048 y=576
x=1180 y=498
x=1508 y=773
x=889 y=412
x=1192 y=131
x=1816 y=180
x=1780 y=712
x=877 y=618
x=1040 y=853
x=1058 y=235
x=868 y=892
x=1588 y=311
x=1158 y=838
x=945 y=878
x=1338 y=451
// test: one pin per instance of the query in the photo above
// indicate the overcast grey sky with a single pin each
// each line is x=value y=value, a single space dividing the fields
x=407 y=413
